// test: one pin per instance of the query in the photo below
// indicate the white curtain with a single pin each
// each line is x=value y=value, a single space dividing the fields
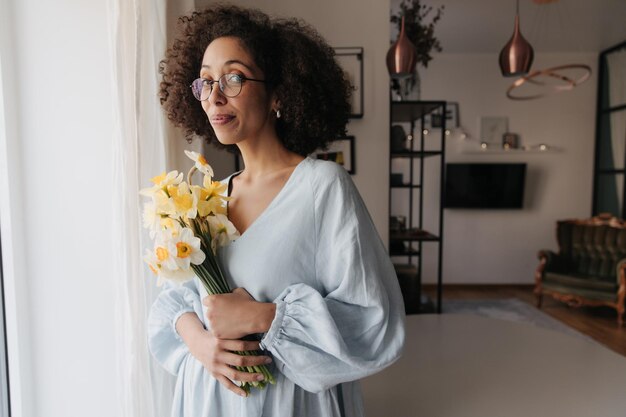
x=137 y=41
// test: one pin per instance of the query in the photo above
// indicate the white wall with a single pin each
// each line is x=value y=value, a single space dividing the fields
x=61 y=153
x=500 y=246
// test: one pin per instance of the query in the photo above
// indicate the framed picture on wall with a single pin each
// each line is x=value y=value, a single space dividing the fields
x=340 y=151
x=435 y=119
x=351 y=60
x=492 y=130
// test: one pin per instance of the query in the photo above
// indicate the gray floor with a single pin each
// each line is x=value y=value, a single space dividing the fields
x=460 y=365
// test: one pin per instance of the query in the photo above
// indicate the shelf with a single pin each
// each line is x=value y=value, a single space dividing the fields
x=405 y=269
x=501 y=151
x=414 y=236
x=408 y=111
x=405 y=186
x=406 y=245
x=412 y=252
x=415 y=154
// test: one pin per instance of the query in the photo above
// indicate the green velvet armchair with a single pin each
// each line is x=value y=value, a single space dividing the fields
x=590 y=268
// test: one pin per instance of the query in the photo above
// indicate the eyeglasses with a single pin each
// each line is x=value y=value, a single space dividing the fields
x=230 y=86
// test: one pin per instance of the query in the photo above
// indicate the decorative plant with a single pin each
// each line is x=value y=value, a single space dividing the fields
x=421 y=33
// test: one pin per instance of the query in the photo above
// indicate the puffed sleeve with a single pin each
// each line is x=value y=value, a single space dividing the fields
x=164 y=342
x=355 y=326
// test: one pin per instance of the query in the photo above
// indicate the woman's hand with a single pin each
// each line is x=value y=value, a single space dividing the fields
x=235 y=315
x=216 y=355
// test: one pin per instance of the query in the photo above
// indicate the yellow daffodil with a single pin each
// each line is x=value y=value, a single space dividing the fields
x=201 y=163
x=215 y=189
x=184 y=204
x=161 y=182
x=210 y=199
x=188 y=249
x=222 y=231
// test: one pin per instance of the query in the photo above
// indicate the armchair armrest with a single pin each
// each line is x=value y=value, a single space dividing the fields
x=621 y=291
x=552 y=261
x=621 y=265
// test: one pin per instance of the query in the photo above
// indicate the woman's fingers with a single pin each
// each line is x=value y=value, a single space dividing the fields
x=234 y=359
x=238 y=345
x=220 y=360
x=228 y=384
x=243 y=292
x=241 y=376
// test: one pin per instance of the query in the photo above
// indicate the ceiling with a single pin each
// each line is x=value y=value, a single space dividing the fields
x=484 y=26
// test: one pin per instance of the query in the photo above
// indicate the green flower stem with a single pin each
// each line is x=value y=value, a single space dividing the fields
x=214 y=282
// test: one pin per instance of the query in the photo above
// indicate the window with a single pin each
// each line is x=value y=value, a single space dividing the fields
x=4 y=362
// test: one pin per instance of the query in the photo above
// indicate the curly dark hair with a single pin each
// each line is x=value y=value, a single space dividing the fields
x=298 y=64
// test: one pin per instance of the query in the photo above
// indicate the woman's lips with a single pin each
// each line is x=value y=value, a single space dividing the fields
x=221 y=119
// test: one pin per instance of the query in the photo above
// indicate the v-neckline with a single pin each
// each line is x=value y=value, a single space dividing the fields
x=269 y=206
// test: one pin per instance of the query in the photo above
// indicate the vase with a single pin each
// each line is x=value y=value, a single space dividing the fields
x=411 y=87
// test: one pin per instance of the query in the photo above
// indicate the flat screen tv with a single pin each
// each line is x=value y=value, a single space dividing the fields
x=484 y=186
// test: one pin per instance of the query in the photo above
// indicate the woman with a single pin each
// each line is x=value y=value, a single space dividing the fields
x=311 y=273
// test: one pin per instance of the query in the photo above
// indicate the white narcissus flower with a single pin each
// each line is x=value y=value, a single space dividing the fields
x=154 y=265
x=222 y=231
x=151 y=218
x=155 y=218
x=172 y=245
x=188 y=249
x=161 y=182
x=201 y=163
x=165 y=252
x=178 y=276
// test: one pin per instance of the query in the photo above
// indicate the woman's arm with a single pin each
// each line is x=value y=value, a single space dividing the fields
x=347 y=322
x=216 y=354
x=235 y=315
x=175 y=332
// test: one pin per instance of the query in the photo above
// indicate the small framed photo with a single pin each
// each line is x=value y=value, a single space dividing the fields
x=351 y=60
x=435 y=119
x=340 y=151
x=510 y=141
x=492 y=130
x=452 y=115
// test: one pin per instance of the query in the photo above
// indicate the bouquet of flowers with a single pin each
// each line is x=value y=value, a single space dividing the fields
x=188 y=223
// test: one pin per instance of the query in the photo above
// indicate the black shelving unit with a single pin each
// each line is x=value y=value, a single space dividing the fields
x=407 y=244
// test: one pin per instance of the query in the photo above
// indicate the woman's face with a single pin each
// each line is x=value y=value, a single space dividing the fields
x=249 y=114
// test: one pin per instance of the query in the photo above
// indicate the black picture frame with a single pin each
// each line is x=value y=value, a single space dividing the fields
x=341 y=151
x=435 y=120
x=351 y=60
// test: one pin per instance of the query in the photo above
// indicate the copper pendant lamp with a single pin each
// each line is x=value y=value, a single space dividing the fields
x=517 y=55
x=402 y=56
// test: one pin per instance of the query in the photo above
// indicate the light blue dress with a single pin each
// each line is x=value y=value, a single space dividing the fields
x=314 y=252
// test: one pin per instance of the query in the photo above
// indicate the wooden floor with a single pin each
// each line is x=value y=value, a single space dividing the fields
x=600 y=323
